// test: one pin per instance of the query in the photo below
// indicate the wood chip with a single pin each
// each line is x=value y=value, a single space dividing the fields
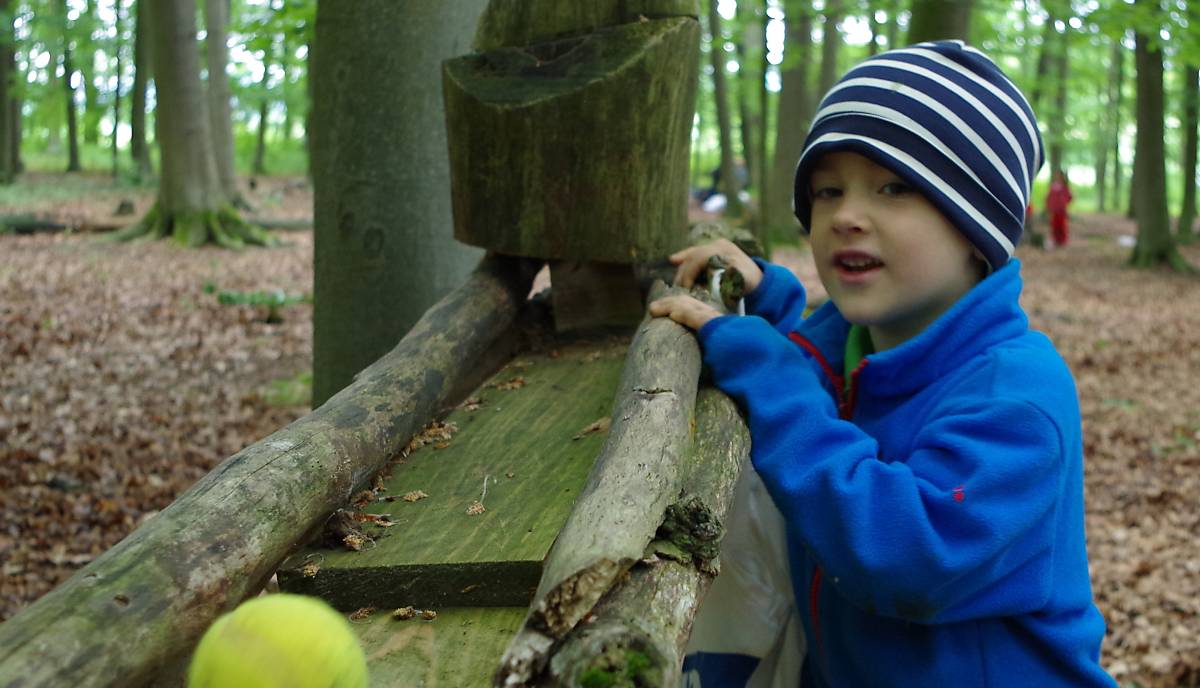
x=414 y=496
x=601 y=425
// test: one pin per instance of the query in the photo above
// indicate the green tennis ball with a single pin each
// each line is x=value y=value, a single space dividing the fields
x=279 y=641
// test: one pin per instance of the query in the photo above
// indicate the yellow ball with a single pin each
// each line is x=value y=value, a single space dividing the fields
x=278 y=641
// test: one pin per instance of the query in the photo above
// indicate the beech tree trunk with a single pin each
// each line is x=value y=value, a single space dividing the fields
x=1045 y=55
x=138 y=150
x=260 y=146
x=69 y=90
x=831 y=42
x=216 y=21
x=1118 y=57
x=132 y=616
x=191 y=207
x=934 y=20
x=794 y=112
x=1185 y=232
x=1058 y=114
x=1155 y=245
x=116 y=111
x=384 y=246
x=730 y=183
x=8 y=171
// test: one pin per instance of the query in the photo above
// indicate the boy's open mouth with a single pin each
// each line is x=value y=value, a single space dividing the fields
x=855 y=262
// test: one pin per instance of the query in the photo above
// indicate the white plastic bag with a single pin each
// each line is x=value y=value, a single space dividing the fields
x=747 y=631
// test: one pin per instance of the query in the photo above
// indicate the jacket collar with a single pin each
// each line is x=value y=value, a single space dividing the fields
x=988 y=314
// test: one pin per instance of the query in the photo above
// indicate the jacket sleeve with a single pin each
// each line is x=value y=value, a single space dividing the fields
x=779 y=298
x=961 y=528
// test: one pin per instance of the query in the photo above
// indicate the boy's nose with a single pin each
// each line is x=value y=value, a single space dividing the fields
x=850 y=216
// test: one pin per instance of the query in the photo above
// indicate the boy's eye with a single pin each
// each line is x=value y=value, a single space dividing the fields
x=895 y=189
x=825 y=192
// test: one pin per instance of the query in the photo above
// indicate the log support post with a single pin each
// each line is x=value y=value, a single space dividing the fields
x=569 y=133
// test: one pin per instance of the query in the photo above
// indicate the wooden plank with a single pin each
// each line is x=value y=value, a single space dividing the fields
x=521 y=439
x=458 y=649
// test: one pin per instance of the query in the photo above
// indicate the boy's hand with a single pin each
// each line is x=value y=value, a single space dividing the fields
x=693 y=261
x=685 y=310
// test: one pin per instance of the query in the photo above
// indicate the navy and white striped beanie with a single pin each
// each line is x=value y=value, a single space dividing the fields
x=943 y=117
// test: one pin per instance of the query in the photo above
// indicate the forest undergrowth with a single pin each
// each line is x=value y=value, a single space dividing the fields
x=123 y=380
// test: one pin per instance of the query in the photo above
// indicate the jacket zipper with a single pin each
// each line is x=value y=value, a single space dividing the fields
x=846 y=401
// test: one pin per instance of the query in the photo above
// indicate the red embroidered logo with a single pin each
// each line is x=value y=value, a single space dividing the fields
x=958 y=493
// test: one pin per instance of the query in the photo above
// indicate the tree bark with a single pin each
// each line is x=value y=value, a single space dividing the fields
x=131 y=617
x=764 y=162
x=1045 y=54
x=1058 y=116
x=260 y=146
x=8 y=171
x=637 y=475
x=1154 y=246
x=69 y=90
x=794 y=112
x=138 y=150
x=216 y=22
x=729 y=182
x=831 y=42
x=116 y=111
x=747 y=95
x=934 y=20
x=191 y=206
x=1185 y=232
x=1107 y=123
x=384 y=250
x=1118 y=57
x=650 y=613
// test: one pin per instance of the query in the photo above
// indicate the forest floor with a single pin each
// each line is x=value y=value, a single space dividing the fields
x=123 y=380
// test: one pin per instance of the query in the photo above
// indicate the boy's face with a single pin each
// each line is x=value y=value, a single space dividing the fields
x=888 y=258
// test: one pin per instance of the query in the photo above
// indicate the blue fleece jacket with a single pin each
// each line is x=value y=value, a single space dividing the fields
x=935 y=508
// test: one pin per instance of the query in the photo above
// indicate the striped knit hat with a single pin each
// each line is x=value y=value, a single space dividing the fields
x=944 y=118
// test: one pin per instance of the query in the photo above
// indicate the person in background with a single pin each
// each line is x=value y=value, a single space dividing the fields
x=1057 y=200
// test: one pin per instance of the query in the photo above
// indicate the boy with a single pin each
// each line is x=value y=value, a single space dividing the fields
x=920 y=441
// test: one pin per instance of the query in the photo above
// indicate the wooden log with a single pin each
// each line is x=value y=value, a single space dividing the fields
x=511 y=23
x=637 y=475
x=131 y=617
x=638 y=632
x=575 y=149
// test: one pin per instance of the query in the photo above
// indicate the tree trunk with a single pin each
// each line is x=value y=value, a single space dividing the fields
x=8 y=171
x=1118 y=57
x=260 y=146
x=794 y=111
x=191 y=205
x=893 y=24
x=132 y=616
x=747 y=96
x=873 y=22
x=69 y=90
x=1058 y=115
x=1185 y=232
x=116 y=111
x=934 y=20
x=1045 y=54
x=384 y=250
x=729 y=183
x=831 y=41
x=1155 y=246
x=138 y=150
x=764 y=164
x=216 y=22
x=1104 y=141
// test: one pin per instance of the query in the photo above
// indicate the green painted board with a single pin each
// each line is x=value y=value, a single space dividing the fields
x=461 y=648
x=524 y=439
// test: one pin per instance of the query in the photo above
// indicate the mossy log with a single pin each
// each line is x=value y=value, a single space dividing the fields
x=639 y=630
x=592 y=162
x=637 y=476
x=131 y=617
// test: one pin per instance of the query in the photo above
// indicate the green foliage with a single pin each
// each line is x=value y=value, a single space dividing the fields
x=289 y=392
x=634 y=674
x=272 y=301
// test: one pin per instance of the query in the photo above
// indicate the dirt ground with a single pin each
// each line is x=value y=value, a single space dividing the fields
x=123 y=380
